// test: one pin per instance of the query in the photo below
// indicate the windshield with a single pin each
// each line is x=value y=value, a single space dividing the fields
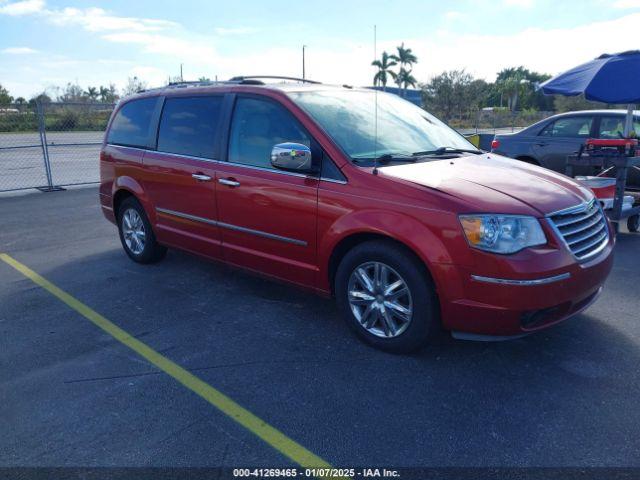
x=348 y=116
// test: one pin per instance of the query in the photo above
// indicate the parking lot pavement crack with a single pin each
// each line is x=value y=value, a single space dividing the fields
x=113 y=377
x=196 y=369
x=304 y=361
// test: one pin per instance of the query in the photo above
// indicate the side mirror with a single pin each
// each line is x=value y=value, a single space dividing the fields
x=292 y=156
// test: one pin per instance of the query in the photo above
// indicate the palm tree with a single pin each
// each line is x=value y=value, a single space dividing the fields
x=512 y=87
x=384 y=69
x=405 y=56
x=103 y=94
x=92 y=94
x=404 y=79
x=407 y=59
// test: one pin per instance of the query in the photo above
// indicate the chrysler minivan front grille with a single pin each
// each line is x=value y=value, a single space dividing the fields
x=583 y=229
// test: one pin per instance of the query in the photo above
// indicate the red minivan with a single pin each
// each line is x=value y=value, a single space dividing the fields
x=357 y=194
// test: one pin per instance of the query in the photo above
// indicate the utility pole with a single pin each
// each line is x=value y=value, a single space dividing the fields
x=303 y=69
x=181 y=77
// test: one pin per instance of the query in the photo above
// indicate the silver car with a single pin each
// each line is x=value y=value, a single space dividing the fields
x=548 y=143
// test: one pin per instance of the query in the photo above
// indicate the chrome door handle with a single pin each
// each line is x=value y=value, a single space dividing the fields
x=200 y=177
x=228 y=182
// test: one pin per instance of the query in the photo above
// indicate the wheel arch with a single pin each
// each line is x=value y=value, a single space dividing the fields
x=119 y=197
x=424 y=241
x=354 y=239
x=124 y=187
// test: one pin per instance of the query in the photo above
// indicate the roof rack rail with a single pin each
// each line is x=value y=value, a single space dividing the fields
x=244 y=79
x=195 y=83
x=251 y=79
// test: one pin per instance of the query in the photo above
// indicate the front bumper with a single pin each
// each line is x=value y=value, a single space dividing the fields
x=517 y=301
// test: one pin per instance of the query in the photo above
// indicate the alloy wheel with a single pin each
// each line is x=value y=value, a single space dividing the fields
x=133 y=231
x=380 y=299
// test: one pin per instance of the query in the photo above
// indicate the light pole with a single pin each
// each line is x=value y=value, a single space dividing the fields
x=303 y=69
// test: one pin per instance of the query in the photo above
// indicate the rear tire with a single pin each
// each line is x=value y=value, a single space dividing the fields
x=369 y=286
x=633 y=222
x=136 y=235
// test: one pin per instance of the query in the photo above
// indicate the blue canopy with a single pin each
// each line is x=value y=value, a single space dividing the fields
x=609 y=79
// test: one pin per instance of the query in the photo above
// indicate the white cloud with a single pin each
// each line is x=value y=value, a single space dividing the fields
x=99 y=20
x=166 y=45
x=626 y=4
x=518 y=3
x=545 y=50
x=91 y=19
x=223 y=31
x=453 y=15
x=26 y=7
x=152 y=75
x=19 y=51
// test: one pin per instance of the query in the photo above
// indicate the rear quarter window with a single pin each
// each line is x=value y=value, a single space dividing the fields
x=132 y=124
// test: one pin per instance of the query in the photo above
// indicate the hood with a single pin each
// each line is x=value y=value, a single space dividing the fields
x=496 y=184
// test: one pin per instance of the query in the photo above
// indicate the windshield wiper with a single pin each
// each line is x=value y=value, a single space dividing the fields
x=446 y=150
x=386 y=158
x=395 y=157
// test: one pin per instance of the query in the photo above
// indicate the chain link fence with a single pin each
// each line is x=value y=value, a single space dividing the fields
x=51 y=145
x=495 y=120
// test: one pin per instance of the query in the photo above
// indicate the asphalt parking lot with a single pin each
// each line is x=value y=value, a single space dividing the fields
x=72 y=395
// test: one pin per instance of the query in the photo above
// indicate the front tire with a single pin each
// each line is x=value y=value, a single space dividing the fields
x=136 y=235
x=386 y=297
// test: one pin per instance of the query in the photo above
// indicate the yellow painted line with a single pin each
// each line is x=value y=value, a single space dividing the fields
x=278 y=440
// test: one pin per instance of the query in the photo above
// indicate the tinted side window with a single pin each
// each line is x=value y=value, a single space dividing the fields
x=569 y=127
x=188 y=126
x=257 y=126
x=131 y=124
x=613 y=127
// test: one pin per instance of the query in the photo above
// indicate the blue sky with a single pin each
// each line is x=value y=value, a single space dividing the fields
x=44 y=43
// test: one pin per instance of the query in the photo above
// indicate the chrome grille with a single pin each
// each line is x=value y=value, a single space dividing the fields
x=583 y=229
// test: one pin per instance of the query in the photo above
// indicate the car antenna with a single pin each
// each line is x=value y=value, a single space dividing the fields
x=375 y=114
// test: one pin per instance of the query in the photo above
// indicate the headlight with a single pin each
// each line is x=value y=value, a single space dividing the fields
x=502 y=233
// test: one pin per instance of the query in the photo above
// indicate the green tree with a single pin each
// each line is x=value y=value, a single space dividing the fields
x=511 y=88
x=92 y=94
x=384 y=69
x=478 y=95
x=451 y=93
x=405 y=56
x=20 y=101
x=134 y=85
x=204 y=79
x=108 y=94
x=72 y=93
x=40 y=98
x=406 y=60
x=527 y=95
x=405 y=79
x=5 y=98
x=569 y=104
